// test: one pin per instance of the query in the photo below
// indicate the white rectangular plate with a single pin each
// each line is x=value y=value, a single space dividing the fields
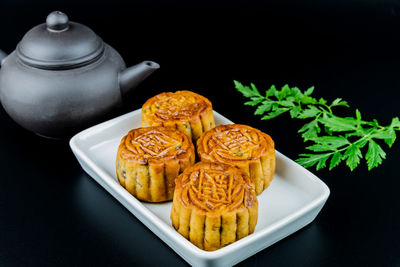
x=292 y=201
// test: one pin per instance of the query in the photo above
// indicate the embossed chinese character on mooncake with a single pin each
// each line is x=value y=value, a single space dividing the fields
x=214 y=205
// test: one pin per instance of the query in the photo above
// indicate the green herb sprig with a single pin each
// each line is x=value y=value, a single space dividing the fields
x=332 y=137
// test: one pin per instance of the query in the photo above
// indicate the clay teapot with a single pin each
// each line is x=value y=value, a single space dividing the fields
x=63 y=77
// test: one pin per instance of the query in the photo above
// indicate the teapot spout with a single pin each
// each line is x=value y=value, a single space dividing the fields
x=132 y=76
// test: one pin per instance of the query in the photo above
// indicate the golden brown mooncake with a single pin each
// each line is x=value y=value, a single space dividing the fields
x=184 y=110
x=214 y=205
x=150 y=159
x=243 y=146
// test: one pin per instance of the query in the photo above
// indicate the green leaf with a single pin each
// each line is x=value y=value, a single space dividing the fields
x=322 y=101
x=310 y=130
x=320 y=148
x=264 y=107
x=295 y=111
x=322 y=162
x=395 y=123
x=254 y=101
x=338 y=124
x=362 y=143
x=290 y=98
x=254 y=89
x=275 y=106
x=335 y=160
x=336 y=141
x=296 y=93
x=308 y=100
x=251 y=103
x=328 y=131
x=392 y=137
x=389 y=133
x=310 y=133
x=327 y=143
x=285 y=91
x=271 y=91
x=336 y=101
x=386 y=133
x=358 y=117
x=309 y=160
x=237 y=84
x=374 y=155
x=246 y=91
x=375 y=123
x=357 y=133
x=312 y=111
x=274 y=114
x=339 y=102
x=286 y=103
x=353 y=155
x=309 y=91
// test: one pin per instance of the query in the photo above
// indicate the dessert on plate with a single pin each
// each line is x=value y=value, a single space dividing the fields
x=150 y=159
x=243 y=146
x=187 y=111
x=214 y=205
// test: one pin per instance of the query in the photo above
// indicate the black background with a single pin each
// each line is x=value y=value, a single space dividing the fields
x=53 y=214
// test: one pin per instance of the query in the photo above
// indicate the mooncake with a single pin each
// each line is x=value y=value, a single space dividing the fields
x=214 y=205
x=150 y=159
x=243 y=146
x=184 y=110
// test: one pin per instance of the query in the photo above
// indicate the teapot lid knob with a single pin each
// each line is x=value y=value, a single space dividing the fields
x=59 y=44
x=57 y=21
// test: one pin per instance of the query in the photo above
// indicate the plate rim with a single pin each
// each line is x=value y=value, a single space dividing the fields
x=164 y=228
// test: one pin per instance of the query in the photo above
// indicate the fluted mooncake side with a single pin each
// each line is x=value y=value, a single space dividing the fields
x=150 y=159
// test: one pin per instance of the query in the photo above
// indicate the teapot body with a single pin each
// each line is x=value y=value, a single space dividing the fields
x=56 y=103
x=62 y=77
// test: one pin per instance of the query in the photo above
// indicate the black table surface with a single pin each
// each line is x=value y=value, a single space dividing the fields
x=54 y=214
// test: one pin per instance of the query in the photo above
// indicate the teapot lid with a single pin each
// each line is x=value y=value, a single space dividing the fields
x=59 y=44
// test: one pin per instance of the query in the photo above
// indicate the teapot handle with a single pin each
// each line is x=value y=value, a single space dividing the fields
x=2 y=56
